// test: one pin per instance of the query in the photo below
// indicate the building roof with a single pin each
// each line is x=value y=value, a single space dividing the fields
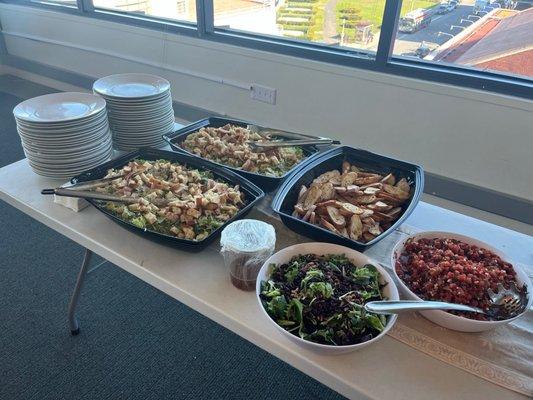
x=497 y=36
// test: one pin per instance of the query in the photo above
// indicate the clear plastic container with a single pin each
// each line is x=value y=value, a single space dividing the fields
x=246 y=244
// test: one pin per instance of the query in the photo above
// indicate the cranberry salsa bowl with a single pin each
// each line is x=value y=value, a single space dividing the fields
x=457 y=269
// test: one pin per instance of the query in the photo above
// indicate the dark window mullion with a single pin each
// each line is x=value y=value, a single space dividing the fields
x=391 y=15
x=205 y=17
x=85 y=5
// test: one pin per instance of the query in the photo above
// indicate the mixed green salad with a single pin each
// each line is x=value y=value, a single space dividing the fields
x=172 y=198
x=321 y=298
x=230 y=145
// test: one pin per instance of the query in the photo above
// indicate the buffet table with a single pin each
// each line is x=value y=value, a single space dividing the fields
x=388 y=369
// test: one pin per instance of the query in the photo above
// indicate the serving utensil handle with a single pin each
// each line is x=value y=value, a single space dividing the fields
x=264 y=132
x=84 y=194
x=399 y=306
x=291 y=143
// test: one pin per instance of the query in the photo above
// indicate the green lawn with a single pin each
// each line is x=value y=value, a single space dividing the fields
x=311 y=24
x=368 y=11
x=372 y=10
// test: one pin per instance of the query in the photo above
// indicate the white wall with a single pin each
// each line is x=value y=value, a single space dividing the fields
x=476 y=137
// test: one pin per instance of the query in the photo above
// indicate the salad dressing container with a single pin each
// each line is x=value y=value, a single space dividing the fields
x=245 y=245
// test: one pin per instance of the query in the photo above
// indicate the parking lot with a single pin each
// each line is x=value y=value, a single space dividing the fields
x=441 y=29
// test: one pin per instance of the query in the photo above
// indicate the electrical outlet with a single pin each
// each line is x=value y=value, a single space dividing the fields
x=263 y=93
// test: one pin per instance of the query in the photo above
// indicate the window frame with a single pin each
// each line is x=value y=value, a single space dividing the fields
x=383 y=61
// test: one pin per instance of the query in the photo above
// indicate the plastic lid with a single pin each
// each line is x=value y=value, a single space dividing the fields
x=248 y=236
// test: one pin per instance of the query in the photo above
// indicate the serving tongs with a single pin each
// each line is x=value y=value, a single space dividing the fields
x=82 y=190
x=295 y=139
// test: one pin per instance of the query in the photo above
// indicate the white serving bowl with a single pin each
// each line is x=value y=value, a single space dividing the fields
x=444 y=318
x=390 y=291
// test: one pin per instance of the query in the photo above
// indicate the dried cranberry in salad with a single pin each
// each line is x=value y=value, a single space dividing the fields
x=453 y=271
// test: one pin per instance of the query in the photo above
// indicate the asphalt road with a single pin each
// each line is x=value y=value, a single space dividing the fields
x=407 y=43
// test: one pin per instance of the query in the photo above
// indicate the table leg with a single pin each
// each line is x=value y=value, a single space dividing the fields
x=72 y=321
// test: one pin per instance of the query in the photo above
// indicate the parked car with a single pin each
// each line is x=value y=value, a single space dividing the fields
x=479 y=6
x=423 y=50
x=442 y=9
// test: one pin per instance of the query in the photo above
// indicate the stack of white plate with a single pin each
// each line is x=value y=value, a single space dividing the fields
x=139 y=107
x=64 y=134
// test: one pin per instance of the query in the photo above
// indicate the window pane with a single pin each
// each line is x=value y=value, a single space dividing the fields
x=495 y=36
x=337 y=23
x=181 y=10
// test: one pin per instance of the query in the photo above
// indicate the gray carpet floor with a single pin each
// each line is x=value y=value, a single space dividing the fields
x=135 y=342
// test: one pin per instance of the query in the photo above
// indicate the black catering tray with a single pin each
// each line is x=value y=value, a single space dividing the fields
x=267 y=183
x=287 y=195
x=252 y=192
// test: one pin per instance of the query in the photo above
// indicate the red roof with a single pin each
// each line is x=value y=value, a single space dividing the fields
x=519 y=63
x=460 y=48
x=503 y=41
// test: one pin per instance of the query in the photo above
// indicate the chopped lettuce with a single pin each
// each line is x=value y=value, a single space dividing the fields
x=321 y=298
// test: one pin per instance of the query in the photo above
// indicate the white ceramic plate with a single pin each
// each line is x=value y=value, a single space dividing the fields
x=121 y=103
x=145 y=115
x=138 y=141
x=70 y=147
x=132 y=114
x=359 y=259
x=70 y=169
x=68 y=126
x=444 y=318
x=62 y=147
x=131 y=86
x=68 y=173
x=62 y=164
x=62 y=135
x=68 y=151
x=74 y=124
x=142 y=128
x=143 y=125
x=59 y=107
x=137 y=133
x=68 y=158
x=137 y=102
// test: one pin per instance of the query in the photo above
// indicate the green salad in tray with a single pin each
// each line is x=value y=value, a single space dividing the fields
x=230 y=145
x=173 y=198
x=321 y=298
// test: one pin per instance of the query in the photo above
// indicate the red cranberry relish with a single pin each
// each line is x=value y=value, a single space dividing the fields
x=453 y=271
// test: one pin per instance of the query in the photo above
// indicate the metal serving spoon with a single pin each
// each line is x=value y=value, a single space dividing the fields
x=505 y=304
x=399 y=306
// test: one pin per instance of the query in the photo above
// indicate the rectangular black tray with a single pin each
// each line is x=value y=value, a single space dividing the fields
x=267 y=183
x=287 y=195
x=252 y=192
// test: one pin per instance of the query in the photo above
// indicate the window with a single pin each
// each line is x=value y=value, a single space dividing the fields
x=481 y=44
x=335 y=23
x=180 y=10
x=492 y=36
